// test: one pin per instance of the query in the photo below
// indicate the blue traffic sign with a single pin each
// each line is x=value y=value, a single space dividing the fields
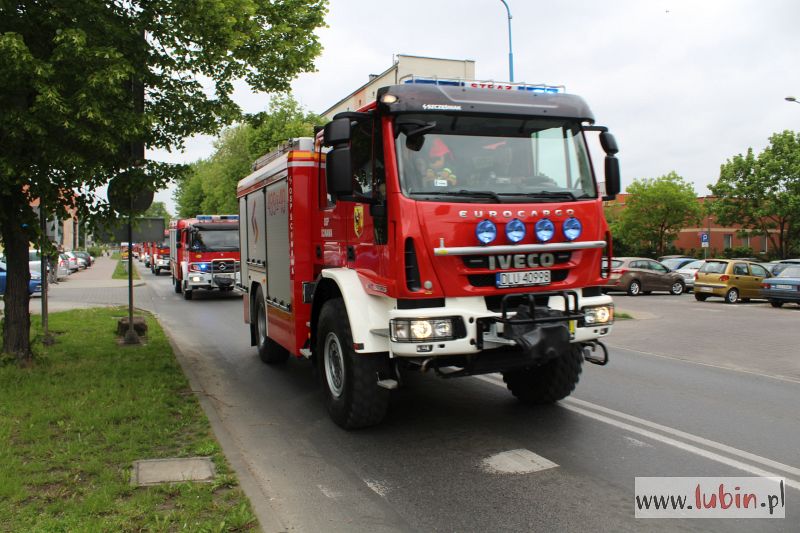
x=704 y=237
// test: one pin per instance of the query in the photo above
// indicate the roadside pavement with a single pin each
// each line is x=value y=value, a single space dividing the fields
x=92 y=287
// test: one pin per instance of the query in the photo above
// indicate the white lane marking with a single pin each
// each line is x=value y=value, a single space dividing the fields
x=572 y=405
x=379 y=487
x=516 y=462
x=637 y=443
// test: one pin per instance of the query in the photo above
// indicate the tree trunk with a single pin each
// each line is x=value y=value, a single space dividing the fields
x=17 y=319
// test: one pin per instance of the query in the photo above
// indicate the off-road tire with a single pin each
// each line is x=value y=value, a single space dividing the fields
x=732 y=296
x=176 y=285
x=677 y=288
x=269 y=351
x=776 y=303
x=359 y=402
x=700 y=297
x=634 y=288
x=187 y=293
x=548 y=383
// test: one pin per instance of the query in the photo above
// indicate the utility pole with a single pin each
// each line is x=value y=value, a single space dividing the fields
x=510 y=52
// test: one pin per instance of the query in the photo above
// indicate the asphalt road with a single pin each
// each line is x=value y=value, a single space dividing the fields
x=691 y=390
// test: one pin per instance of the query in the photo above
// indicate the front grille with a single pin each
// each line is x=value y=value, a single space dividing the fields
x=224 y=267
x=482 y=261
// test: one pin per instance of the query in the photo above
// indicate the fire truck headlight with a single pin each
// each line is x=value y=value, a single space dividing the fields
x=420 y=330
x=515 y=230
x=572 y=228
x=544 y=230
x=486 y=231
x=603 y=314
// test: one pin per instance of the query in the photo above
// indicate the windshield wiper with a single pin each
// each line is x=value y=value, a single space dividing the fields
x=463 y=193
x=546 y=195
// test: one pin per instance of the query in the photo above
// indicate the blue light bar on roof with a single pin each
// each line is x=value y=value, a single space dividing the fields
x=216 y=218
x=488 y=85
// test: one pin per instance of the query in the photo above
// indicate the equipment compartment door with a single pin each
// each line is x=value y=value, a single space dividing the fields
x=279 y=287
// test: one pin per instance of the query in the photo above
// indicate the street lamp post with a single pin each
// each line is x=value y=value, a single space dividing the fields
x=510 y=53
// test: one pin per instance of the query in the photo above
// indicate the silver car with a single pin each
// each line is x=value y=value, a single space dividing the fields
x=688 y=271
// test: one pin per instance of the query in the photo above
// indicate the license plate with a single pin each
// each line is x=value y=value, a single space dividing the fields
x=784 y=287
x=522 y=279
x=705 y=289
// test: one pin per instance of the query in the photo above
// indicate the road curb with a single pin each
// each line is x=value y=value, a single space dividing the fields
x=268 y=516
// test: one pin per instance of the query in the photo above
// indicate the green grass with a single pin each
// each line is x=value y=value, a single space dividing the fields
x=72 y=425
x=121 y=271
x=622 y=315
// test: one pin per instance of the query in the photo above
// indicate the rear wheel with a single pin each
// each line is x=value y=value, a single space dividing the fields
x=269 y=351
x=732 y=296
x=700 y=297
x=775 y=303
x=677 y=288
x=548 y=383
x=350 y=380
x=634 y=288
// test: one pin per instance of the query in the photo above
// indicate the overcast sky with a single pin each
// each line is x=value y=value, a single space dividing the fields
x=682 y=84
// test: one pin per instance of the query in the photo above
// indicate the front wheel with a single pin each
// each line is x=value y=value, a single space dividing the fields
x=187 y=292
x=176 y=285
x=635 y=288
x=269 y=351
x=677 y=288
x=350 y=379
x=548 y=383
x=732 y=296
x=775 y=303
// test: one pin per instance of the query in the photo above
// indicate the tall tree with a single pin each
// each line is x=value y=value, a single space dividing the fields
x=211 y=184
x=655 y=212
x=158 y=209
x=87 y=83
x=762 y=193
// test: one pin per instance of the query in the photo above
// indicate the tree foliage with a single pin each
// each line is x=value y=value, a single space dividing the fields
x=86 y=83
x=762 y=193
x=210 y=187
x=158 y=209
x=655 y=212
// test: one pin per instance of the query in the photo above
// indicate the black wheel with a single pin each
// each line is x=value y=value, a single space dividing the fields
x=775 y=303
x=700 y=297
x=732 y=296
x=677 y=288
x=635 y=288
x=269 y=351
x=350 y=380
x=548 y=383
x=176 y=285
x=187 y=293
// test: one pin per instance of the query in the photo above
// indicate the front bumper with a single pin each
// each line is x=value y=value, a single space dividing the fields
x=209 y=281
x=485 y=330
x=161 y=263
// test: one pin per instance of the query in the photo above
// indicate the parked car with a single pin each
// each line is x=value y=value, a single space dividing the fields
x=783 y=288
x=676 y=263
x=785 y=263
x=730 y=279
x=688 y=271
x=85 y=256
x=663 y=258
x=636 y=275
x=80 y=262
x=34 y=285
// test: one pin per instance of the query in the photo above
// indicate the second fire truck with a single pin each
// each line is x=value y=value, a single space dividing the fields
x=449 y=226
x=204 y=253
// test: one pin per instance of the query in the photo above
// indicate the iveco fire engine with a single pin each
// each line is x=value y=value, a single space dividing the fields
x=204 y=253
x=450 y=226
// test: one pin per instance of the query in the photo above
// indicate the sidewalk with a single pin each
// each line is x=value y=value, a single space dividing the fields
x=92 y=287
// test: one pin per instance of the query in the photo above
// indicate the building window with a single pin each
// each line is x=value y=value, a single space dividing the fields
x=727 y=240
x=764 y=241
x=746 y=241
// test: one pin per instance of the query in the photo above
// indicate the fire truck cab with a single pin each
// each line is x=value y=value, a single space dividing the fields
x=159 y=255
x=450 y=226
x=204 y=253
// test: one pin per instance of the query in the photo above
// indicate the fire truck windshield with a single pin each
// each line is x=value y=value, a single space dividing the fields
x=503 y=159
x=214 y=240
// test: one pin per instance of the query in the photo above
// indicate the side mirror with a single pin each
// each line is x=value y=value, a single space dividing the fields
x=337 y=131
x=339 y=171
x=612 y=177
x=609 y=143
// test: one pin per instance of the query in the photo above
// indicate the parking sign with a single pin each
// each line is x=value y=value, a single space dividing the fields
x=704 y=240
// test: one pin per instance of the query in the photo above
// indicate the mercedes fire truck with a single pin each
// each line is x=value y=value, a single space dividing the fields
x=204 y=253
x=450 y=226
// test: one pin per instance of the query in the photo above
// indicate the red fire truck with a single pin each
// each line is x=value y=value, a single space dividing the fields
x=204 y=253
x=448 y=226
x=159 y=255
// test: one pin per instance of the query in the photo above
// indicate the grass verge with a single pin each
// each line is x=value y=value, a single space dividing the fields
x=74 y=423
x=622 y=315
x=121 y=271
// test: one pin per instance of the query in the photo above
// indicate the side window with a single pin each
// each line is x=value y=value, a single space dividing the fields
x=658 y=267
x=361 y=151
x=759 y=271
x=638 y=264
x=740 y=269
